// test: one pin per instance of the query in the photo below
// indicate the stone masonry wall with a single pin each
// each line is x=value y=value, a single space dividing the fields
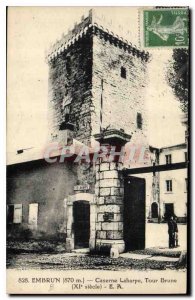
x=70 y=82
x=109 y=190
x=122 y=98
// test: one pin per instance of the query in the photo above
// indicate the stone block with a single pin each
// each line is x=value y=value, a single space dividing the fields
x=100 y=217
x=106 y=245
x=113 y=166
x=113 y=200
x=114 y=253
x=101 y=234
x=98 y=226
x=114 y=235
x=100 y=200
x=110 y=174
x=109 y=183
x=110 y=226
x=118 y=217
x=115 y=191
x=104 y=166
x=110 y=208
x=104 y=191
x=101 y=175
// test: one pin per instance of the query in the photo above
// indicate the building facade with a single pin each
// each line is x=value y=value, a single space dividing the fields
x=170 y=188
x=97 y=83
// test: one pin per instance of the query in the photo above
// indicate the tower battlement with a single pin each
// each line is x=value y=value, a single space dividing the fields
x=96 y=23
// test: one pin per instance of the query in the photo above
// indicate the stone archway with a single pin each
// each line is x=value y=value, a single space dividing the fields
x=79 y=197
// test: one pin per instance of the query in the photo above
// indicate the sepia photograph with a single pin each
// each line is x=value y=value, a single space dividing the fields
x=97 y=150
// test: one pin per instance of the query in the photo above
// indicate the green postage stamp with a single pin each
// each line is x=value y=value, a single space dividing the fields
x=166 y=27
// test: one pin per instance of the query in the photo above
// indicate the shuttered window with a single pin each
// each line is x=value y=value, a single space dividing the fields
x=14 y=213
x=33 y=215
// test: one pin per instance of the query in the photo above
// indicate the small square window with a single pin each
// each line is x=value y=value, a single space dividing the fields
x=123 y=72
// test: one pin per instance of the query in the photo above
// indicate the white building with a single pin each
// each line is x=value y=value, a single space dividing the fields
x=173 y=184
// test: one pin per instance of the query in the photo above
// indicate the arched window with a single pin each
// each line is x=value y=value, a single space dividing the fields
x=154 y=210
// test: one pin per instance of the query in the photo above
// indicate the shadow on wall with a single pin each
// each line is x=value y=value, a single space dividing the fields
x=23 y=232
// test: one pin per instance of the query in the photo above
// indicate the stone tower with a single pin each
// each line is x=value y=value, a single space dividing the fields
x=97 y=81
x=91 y=63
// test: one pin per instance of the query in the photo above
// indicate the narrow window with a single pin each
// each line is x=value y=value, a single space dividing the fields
x=186 y=185
x=10 y=214
x=168 y=159
x=139 y=120
x=68 y=65
x=17 y=213
x=154 y=210
x=169 y=185
x=186 y=136
x=186 y=156
x=123 y=72
x=14 y=213
x=33 y=215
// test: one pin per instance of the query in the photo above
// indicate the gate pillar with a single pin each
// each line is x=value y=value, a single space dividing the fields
x=109 y=190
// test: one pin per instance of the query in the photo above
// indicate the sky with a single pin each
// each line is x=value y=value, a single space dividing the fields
x=31 y=30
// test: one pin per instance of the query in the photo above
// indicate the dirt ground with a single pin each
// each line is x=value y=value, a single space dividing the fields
x=52 y=254
x=73 y=261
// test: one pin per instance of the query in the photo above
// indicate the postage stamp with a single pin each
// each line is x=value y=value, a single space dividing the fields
x=166 y=27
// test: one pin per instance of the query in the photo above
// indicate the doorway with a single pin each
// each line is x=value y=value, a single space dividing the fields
x=169 y=211
x=81 y=213
x=134 y=213
x=154 y=210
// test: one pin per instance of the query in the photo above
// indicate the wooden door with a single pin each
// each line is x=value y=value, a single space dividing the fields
x=81 y=211
x=134 y=213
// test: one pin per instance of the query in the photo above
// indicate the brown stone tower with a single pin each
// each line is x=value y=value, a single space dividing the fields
x=86 y=64
x=97 y=80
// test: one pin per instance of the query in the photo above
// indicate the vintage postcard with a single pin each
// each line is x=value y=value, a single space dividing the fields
x=97 y=150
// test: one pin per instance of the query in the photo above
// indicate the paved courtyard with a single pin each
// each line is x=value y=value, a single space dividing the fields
x=157 y=236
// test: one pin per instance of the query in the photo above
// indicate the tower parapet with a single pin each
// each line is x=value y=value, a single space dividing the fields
x=96 y=24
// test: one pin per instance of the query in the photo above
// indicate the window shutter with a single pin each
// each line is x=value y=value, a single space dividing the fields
x=17 y=213
x=33 y=215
